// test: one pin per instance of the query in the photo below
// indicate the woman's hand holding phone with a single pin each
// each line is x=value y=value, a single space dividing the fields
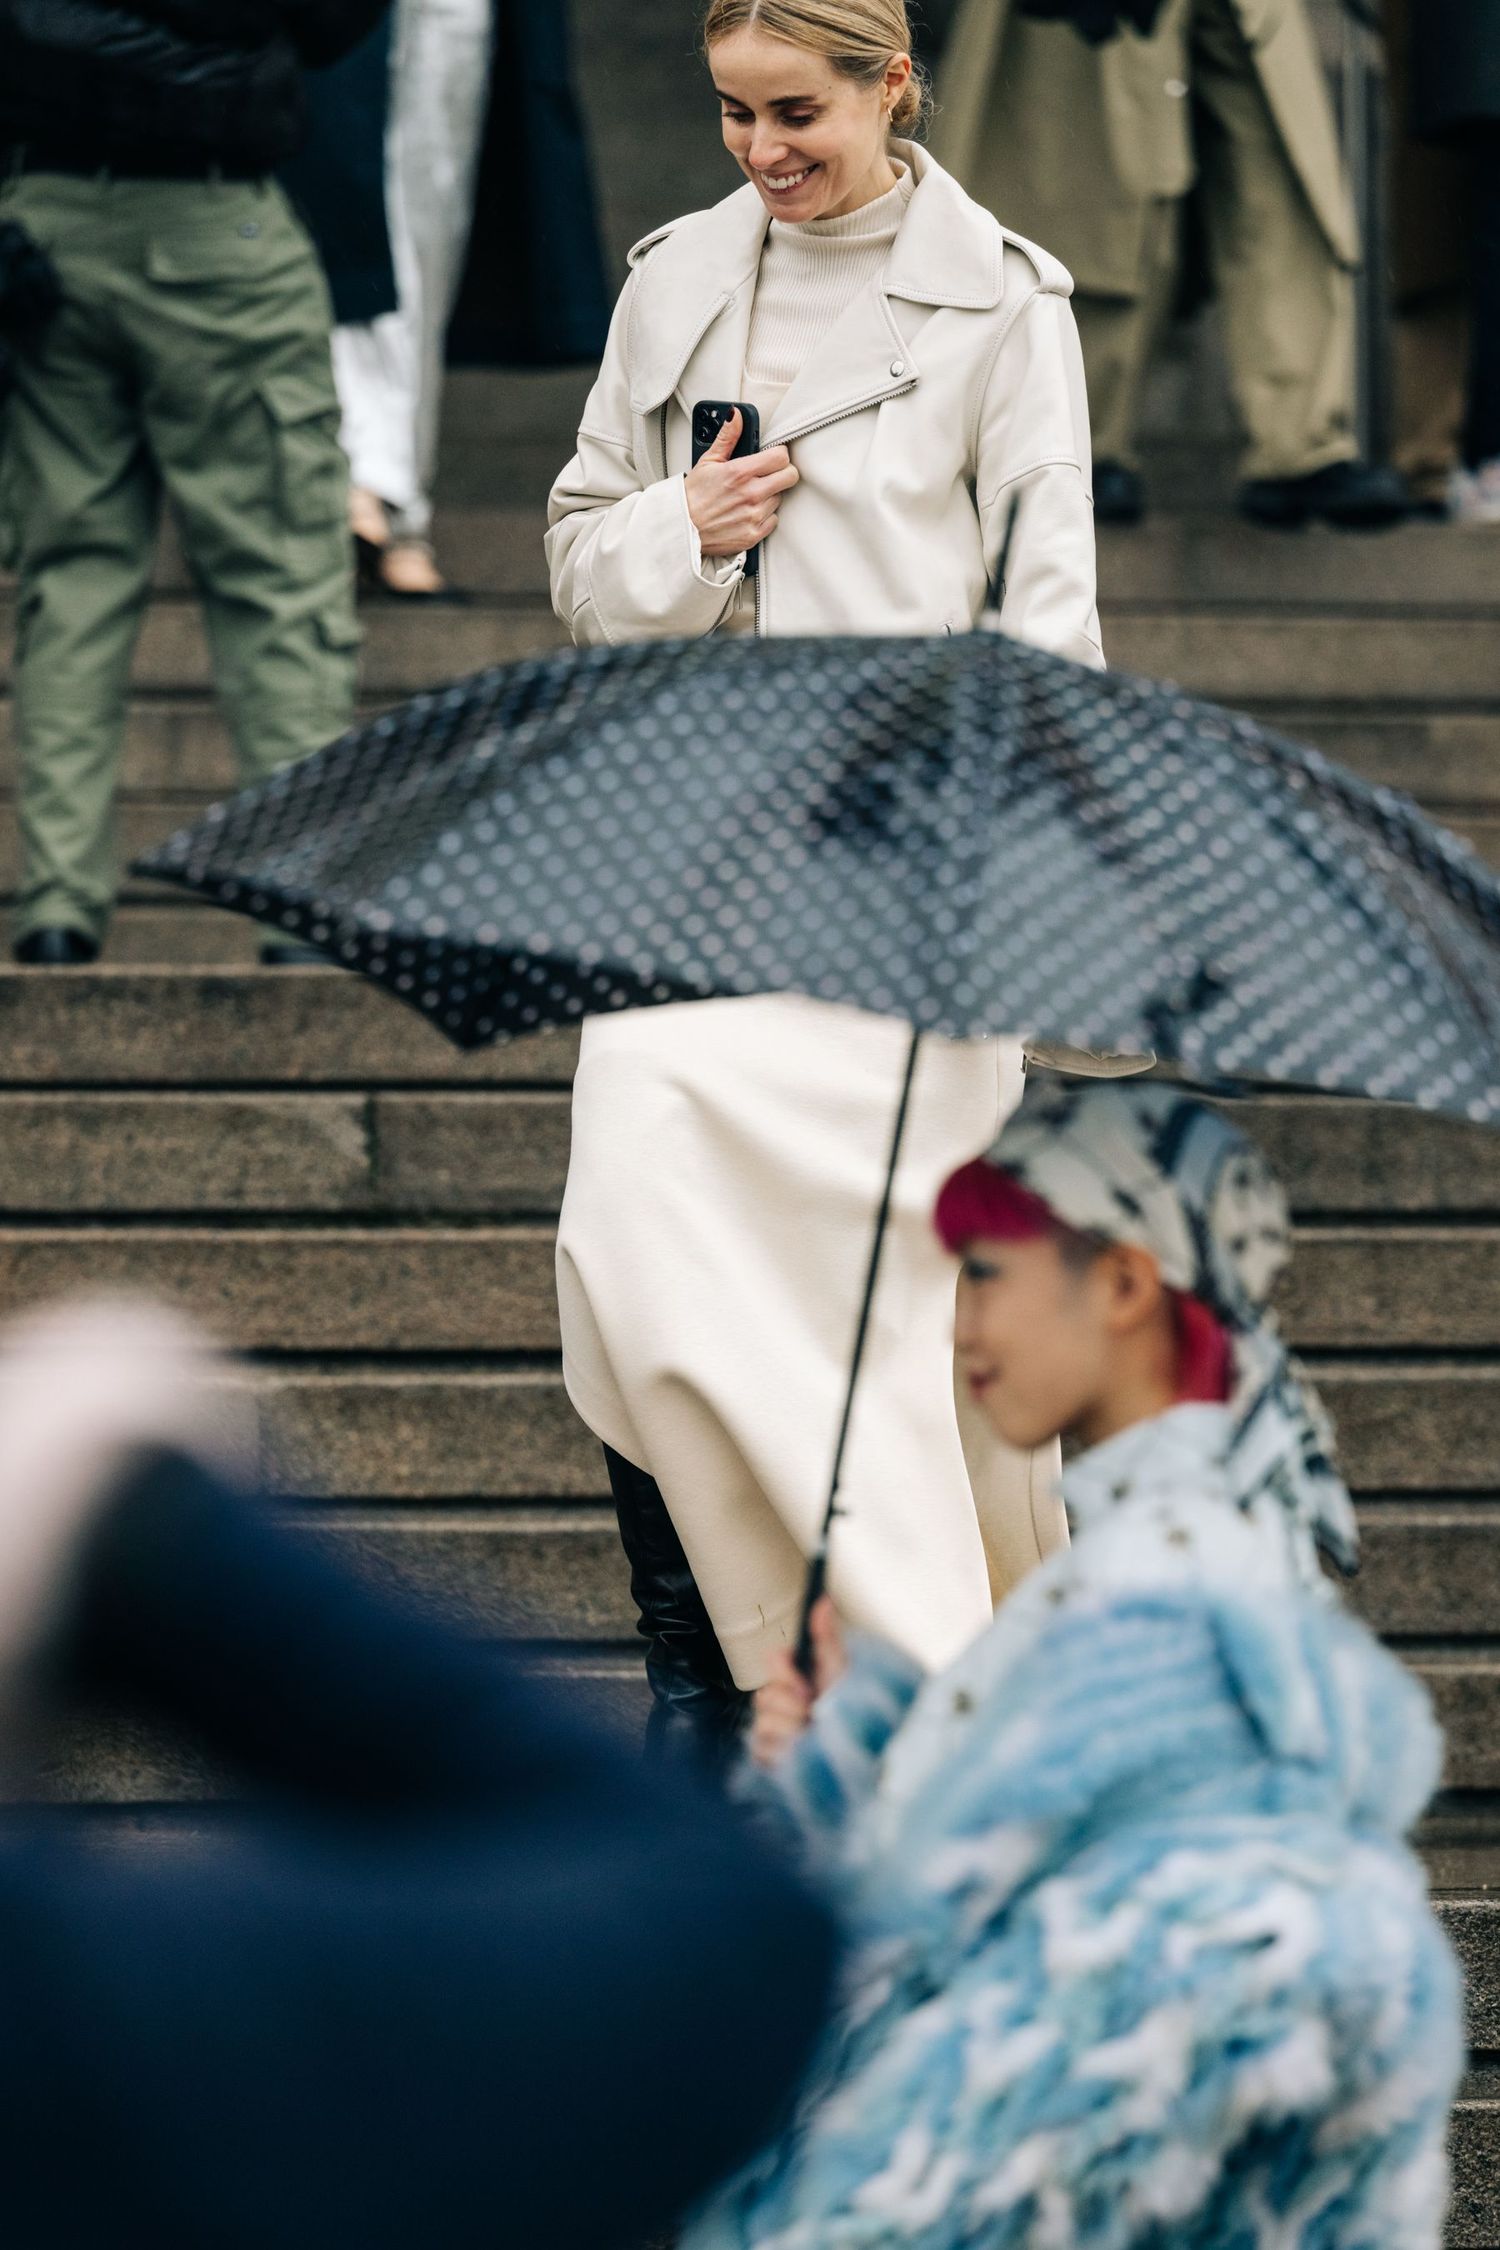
x=734 y=504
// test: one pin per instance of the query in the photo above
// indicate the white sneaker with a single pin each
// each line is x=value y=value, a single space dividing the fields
x=1474 y=494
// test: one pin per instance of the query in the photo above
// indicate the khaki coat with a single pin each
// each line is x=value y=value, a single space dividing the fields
x=728 y=1156
x=1077 y=143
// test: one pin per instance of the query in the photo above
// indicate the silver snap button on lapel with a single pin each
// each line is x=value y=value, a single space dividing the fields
x=1176 y=87
x=898 y=367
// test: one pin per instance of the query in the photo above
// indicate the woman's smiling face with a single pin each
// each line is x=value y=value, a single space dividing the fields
x=812 y=140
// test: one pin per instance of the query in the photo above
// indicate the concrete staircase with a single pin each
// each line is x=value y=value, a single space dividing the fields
x=370 y=1217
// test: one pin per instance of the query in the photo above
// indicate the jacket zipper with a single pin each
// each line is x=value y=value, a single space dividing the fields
x=794 y=437
x=846 y=413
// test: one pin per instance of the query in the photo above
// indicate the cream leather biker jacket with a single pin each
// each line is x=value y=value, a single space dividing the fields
x=945 y=410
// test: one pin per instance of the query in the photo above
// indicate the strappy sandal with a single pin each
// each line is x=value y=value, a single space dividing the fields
x=408 y=572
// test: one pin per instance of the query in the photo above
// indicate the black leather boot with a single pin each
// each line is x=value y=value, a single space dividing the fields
x=696 y=1710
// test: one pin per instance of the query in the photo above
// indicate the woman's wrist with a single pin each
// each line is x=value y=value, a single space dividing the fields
x=712 y=570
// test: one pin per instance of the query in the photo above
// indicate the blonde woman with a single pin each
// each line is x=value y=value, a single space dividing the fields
x=918 y=381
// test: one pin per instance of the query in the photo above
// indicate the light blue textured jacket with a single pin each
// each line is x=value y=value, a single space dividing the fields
x=1142 y=1958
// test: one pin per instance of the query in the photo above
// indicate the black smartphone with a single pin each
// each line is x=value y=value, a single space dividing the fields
x=709 y=417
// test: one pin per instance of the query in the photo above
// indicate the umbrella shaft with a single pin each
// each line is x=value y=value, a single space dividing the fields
x=817 y=1586
x=817 y=1576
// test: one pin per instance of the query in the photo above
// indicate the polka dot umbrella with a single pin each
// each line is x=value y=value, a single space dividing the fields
x=963 y=832
x=960 y=831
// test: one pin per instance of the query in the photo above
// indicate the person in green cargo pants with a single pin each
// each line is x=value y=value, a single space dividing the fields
x=189 y=360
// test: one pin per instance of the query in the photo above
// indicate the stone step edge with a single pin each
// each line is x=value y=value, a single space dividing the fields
x=1258 y=610
x=1283 y=711
x=590 y=1514
x=309 y=1370
x=1417 y=1232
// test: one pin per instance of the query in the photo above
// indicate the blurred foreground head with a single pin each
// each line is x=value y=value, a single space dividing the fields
x=426 y=1977
x=84 y=1387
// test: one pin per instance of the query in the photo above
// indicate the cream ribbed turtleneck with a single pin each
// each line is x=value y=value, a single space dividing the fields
x=810 y=275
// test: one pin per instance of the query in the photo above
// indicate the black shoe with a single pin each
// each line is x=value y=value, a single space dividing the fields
x=697 y=1712
x=1119 y=495
x=57 y=947
x=1348 y=494
x=286 y=953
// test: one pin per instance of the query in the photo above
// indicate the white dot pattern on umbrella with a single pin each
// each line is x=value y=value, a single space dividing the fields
x=964 y=832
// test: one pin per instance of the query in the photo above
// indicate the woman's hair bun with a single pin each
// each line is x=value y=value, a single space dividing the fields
x=911 y=111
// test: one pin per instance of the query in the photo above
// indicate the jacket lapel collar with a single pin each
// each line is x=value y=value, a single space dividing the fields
x=697 y=287
x=948 y=252
x=692 y=309
x=861 y=360
x=715 y=368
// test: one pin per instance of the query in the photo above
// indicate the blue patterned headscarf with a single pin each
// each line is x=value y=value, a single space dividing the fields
x=1149 y=1165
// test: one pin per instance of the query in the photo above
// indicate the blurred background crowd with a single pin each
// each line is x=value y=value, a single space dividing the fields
x=267 y=238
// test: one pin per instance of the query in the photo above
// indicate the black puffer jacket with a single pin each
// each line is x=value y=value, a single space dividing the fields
x=158 y=84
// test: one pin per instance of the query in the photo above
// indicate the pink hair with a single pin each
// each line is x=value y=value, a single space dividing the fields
x=979 y=1201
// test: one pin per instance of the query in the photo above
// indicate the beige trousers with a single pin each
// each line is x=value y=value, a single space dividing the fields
x=726 y=1171
x=1288 y=304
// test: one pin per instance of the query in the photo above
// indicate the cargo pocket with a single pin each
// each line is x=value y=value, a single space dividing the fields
x=312 y=474
x=340 y=635
x=251 y=241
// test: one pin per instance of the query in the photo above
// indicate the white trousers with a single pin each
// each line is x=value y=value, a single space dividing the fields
x=390 y=371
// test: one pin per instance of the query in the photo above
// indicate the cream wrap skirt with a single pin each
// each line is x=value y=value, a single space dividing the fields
x=727 y=1163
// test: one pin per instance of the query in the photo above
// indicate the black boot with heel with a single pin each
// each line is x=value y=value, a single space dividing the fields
x=697 y=1712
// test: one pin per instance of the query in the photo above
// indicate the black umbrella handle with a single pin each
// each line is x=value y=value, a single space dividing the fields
x=817 y=1587
x=817 y=1576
